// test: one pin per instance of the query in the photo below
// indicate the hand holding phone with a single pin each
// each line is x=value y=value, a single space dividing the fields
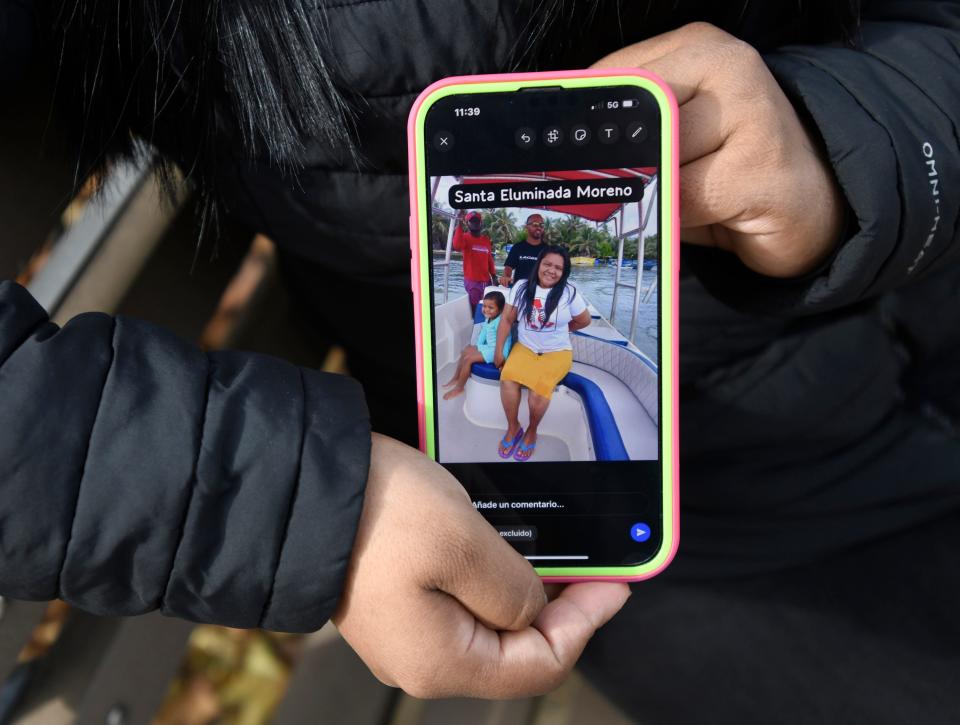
x=436 y=603
x=751 y=171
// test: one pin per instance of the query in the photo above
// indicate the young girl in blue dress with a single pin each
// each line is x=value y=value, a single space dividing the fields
x=483 y=351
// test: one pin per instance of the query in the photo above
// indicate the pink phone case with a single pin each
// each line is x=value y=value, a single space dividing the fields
x=671 y=520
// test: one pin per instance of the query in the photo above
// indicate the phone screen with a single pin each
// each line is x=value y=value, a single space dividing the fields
x=545 y=203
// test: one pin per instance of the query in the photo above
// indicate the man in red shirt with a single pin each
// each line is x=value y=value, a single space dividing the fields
x=477 y=250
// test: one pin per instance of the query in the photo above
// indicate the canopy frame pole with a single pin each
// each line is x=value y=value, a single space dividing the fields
x=453 y=220
x=446 y=259
x=644 y=219
x=636 y=288
x=617 y=227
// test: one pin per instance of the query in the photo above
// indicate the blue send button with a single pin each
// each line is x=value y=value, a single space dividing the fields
x=640 y=532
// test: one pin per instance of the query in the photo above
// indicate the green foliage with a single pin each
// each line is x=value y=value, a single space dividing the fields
x=580 y=237
x=439 y=228
x=501 y=226
x=651 y=246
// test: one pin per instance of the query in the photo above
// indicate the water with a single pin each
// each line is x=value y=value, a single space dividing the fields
x=596 y=285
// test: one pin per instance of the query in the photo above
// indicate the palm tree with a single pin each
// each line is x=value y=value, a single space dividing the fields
x=500 y=226
x=439 y=228
x=549 y=231
x=574 y=234
x=651 y=245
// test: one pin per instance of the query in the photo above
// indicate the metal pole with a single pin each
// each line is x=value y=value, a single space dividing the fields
x=616 y=281
x=636 y=289
x=446 y=259
x=651 y=289
x=644 y=220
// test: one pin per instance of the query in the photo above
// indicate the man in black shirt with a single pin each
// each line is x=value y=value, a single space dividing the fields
x=522 y=256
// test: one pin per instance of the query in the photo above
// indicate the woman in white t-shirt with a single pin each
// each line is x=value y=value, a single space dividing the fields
x=547 y=309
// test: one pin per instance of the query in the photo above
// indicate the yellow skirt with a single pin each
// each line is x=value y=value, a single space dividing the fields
x=540 y=373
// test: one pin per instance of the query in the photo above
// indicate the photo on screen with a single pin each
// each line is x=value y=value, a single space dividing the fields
x=574 y=254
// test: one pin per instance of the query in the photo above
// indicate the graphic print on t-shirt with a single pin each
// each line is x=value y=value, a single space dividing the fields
x=536 y=320
x=534 y=330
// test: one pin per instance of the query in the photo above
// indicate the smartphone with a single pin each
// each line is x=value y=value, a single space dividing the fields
x=544 y=240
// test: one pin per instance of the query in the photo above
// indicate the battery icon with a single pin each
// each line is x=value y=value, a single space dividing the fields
x=631 y=103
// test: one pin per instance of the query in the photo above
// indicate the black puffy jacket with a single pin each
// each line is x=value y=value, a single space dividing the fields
x=136 y=472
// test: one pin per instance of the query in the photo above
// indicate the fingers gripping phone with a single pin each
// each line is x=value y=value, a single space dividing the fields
x=544 y=240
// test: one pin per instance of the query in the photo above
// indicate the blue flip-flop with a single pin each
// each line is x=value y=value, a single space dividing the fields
x=507 y=447
x=524 y=452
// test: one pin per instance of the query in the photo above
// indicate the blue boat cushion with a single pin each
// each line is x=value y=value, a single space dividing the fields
x=607 y=442
x=487 y=371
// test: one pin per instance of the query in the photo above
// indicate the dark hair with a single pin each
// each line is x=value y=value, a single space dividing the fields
x=529 y=292
x=497 y=298
x=208 y=82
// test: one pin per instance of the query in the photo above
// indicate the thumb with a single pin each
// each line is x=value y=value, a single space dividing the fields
x=570 y=620
x=539 y=658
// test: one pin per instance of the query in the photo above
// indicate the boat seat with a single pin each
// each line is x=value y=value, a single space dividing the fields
x=607 y=442
x=478 y=318
x=621 y=343
x=487 y=371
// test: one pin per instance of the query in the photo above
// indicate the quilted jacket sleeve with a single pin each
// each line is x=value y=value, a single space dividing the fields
x=888 y=113
x=138 y=473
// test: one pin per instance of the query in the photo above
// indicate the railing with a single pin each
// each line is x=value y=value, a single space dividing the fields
x=636 y=285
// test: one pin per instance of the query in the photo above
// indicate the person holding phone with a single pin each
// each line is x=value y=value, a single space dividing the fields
x=817 y=140
x=547 y=309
